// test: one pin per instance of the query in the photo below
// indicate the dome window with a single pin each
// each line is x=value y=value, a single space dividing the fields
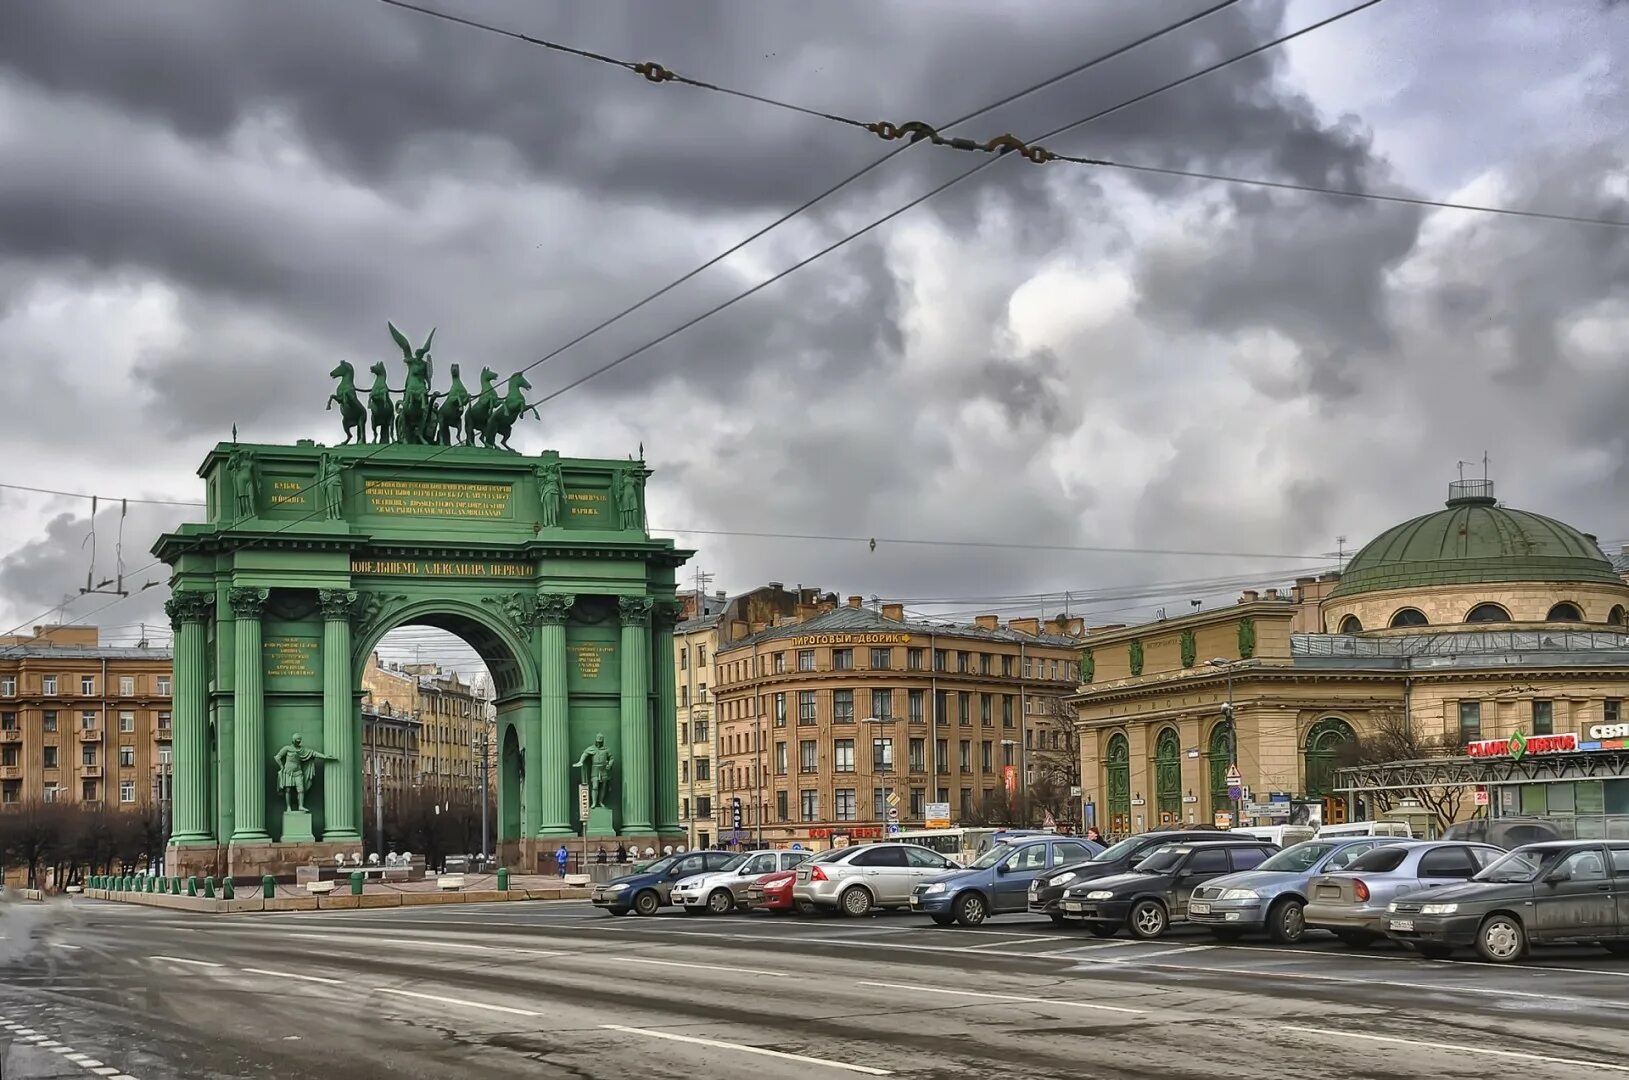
x=1615 y=617
x=1409 y=617
x=1565 y=612
x=1351 y=625
x=1488 y=613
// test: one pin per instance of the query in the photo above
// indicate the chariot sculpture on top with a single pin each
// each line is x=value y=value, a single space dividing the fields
x=424 y=416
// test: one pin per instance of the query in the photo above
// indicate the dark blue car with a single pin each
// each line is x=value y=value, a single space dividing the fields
x=647 y=889
x=998 y=882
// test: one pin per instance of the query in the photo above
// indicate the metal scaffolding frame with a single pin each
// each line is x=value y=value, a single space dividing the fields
x=1477 y=772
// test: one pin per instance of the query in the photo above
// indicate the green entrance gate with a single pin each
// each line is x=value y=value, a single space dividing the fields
x=311 y=554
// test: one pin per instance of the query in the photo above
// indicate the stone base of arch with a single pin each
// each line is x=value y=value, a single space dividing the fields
x=251 y=862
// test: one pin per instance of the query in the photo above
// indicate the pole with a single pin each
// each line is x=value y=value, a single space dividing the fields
x=486 y=779
x=378 y=805
x=1233 y=749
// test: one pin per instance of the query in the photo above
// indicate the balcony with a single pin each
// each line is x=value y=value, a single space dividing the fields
x=11 y=772
x=90 y=735
x=11 y=735
x=90 y=772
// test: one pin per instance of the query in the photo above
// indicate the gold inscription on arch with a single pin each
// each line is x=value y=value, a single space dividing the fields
x=435 y=498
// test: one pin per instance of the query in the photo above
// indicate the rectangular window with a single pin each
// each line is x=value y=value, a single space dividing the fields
x=1008 y=752
x=806 y=706
x=1006 y=667
x=808 y=756
x=1470 y=721
x=48 y=685
x=916 y=659
x=984 y=663
x=964 y=707
x=879 y=803
x=986 y=756
x=87 y=791
x=779 y=664
x=87 y=685
x=164 y=756
x=127 y=722
x=8 y=721
x=87 y=720
x=127 y=757
x=1006 y=710
x=684 y=697
x=842 y=706
x=964 y=661
x=882 y=659
x=1029 y=662
x=809 y=805
x=845 y=804
x=966 y=755
x=702 y=730
x=985 y=715
x=1612 y=711
x=684 y=772
x=843 y=755
x=806 y=660
x=842 y=659
x=882 y=755
x=882 y=704
x=8 y=686
x=915 y=701
x=919 y=755
x=941 y=706
x=1543 y=717
x=967 y=802
x=701 y=655
x=780 y=709
x=938 y=659
x=684 y=658
x=87 y=754
x=11 y=755
x=163 y=686
x=50 y=757
x=941 y=755
x=919 y=800
x=780 y=759
x=780 y=805
x=704 y=806
x=704 y=768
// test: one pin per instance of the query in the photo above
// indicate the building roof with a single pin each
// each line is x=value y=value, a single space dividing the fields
x=1474 y=540
x=864 y=620
x=81 y=652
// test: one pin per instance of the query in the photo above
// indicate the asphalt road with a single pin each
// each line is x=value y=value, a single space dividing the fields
x=560 y=990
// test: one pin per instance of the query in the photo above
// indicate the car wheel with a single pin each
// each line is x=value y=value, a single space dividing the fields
x=1355 y=939
x=1149 y=920
x=720 y=902
x=944 y=920
x=1286 y=922
x=1616 y=948
x=1227 y=935
x=1501 y=940
x=646 y=903
x=1103 y=929
x=856 y=903
x=1433 y=952
x=971 y=909
x=1058 y=920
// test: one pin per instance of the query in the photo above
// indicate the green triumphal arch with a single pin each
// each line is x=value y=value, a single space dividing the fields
x=312 y=553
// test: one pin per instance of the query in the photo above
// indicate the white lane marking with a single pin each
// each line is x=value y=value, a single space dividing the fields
x=455 y=1001
x=1020 y=941
x=24 y=1031
x=1372 y=984
x=1088 y=948
x=63 y=945
x=184 y=960
x=964 y=931
x=105 y=1071
x=294 y=975
x=37 y=1038
x=91 y=1063
x=679 y=964
x=1461 y=1048
x=82 y=1059
x=1163 y=952
x=60 y=1049
x=422 y=943
x=46 y=1044
x=1005 y=997
x=719 y=1044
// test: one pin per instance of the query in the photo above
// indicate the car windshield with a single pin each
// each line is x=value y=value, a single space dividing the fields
x=661 y=866
x=1162 y=860
x=997 y=853
x=736 y=862
x=1515 y=866
x=1299 y=858
x=1119 y=851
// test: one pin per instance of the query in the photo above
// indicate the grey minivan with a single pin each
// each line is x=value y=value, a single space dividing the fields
x=998 y=882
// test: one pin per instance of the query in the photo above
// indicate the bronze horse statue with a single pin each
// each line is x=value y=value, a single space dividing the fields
x=475 y=417
x=383 y=410
x=351 y=411
x=501 y=420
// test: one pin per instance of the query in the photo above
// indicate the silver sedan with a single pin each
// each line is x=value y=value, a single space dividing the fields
x=1352 y=903
x=854 y=880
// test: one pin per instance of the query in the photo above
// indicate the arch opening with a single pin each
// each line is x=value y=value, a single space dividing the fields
x=1487 y=612
x=1565 y=611
x=1351 y=624
x=1409 y=617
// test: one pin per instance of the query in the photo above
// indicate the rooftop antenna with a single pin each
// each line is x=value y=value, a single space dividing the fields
x=1340 y=551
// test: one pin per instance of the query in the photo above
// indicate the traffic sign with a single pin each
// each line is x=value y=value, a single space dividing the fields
x=1234 y=777
x=1481 y=796
x=1235 y=792
x=893 y=827
x=893 y=798
x=893 y=813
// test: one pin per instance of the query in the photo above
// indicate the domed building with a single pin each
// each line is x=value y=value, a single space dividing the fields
x=1473 y=660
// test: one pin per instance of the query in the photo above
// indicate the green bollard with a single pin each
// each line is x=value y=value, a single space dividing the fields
x=229 y=891
x=356 y=883
x=268 y=887
x=503 y=879
x=175 y=885
x=192 y=885
x=151 y=884
x=209 y=887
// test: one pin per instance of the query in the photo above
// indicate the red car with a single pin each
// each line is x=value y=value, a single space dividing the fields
x=772 y=892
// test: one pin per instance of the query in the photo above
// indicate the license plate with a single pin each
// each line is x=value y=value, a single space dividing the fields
x=1074 y=907
x=1199 y=909
x=1402 y=924
x=1329 y=892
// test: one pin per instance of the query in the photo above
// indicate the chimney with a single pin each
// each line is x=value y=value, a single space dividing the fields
x=1024 y=626
x=894 y=612
x=1272 y=594
x=855 y=602
x=987 y=622
x=1249 y=596
x=1076 y=628
x=777 y=585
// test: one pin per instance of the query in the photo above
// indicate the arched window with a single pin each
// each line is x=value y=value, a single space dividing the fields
x=1221 y=756
x=1488 y=613
x=1409 y=617
x=1168 y=776
x=1118 y=783
x=1615 y=616
x=1565 y=612
x=1324 y=743
x=1351 y=625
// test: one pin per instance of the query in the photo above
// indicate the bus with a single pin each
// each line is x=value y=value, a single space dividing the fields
x=963 y=845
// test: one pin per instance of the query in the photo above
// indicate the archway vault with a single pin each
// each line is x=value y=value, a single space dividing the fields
x=312 y=554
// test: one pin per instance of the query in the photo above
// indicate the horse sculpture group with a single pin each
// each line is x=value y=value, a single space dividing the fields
x=425 y=416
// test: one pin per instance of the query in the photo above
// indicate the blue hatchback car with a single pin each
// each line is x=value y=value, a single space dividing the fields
x=998 y=882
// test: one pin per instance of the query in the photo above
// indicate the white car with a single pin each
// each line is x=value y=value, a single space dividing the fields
x=722 y=890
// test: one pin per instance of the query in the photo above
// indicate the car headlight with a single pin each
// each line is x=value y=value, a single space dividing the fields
x=1392 y=907
x=1438 y=909
x=1099 y=894
x=1239 y=894
x=1061 y=879
x=936 y=887
x=615 y=888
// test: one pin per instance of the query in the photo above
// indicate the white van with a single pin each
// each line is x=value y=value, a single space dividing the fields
x=1282 y=835
x=1366 y=828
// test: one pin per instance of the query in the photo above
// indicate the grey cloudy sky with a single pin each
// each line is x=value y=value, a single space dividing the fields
x=207 y=203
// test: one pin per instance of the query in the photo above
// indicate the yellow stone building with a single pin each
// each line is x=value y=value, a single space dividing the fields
x=1443 y=637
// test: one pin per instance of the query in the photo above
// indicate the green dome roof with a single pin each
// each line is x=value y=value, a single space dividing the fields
x=1474 y=540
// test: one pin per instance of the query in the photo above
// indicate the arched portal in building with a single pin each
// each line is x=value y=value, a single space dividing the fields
x=1168 y=777
x=1322 y=760
x=1118 y=783
x=1220 y=755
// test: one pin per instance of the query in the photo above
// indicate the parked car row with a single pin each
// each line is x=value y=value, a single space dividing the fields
x=1433 y=896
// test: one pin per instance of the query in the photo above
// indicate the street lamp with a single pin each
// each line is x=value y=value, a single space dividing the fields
x=1232 y=735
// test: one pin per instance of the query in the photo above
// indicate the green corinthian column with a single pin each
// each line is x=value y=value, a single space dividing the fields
x=664 y=729
x=192 y=821
x=249 y=699
x=635 y=766
x=341 y=778
x=553 y=757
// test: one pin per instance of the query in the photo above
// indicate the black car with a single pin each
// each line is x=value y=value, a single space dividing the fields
x=1540 y=894
x=1046 y=891
x=1153 y=895
x=649 y=887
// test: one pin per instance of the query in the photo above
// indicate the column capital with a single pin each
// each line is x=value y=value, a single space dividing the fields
x=667 y=612
x=552 y=608
x=188 y=607
x=635 y=610
x=247 y=602
x=337 y=604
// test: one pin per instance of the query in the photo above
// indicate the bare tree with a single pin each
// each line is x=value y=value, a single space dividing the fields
x=34 y=833
x=1391 y=737
x=1053 y=759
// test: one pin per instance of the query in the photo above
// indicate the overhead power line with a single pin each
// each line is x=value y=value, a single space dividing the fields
x=917 y=131
x=103 y=498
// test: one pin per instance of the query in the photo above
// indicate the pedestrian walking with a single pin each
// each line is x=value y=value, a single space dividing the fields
x=599 y=855
x=561 y=857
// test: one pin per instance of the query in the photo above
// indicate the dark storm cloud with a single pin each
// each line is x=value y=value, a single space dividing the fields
x=49 y=570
